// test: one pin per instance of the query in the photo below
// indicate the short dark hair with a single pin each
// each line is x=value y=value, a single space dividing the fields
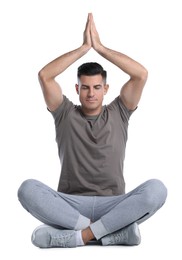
x=91 y=69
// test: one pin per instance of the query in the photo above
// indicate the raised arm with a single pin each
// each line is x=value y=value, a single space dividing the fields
x=131 y=91
x=51 y=90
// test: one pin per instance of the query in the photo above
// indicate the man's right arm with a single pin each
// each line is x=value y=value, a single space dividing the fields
x=51 y=89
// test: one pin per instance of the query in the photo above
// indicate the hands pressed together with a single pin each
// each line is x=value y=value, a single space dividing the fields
x=91 y=37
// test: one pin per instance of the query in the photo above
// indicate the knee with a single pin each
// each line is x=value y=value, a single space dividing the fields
x=25 y=190
x=156 y=193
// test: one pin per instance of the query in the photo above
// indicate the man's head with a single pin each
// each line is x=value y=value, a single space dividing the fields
x=91 y=87
x=91 y=69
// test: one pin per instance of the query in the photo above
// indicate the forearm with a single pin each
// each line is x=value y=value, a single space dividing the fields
x=125 y=63
x=57 y=66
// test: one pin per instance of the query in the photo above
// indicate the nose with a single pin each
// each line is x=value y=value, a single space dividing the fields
x=91 y=92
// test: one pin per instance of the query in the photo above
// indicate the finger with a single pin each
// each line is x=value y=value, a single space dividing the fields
x=87 y=25
x=91 y=15
x=88 y=19
x=92 y=22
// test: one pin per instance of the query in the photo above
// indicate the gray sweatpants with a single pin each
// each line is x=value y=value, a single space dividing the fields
x=107 y=213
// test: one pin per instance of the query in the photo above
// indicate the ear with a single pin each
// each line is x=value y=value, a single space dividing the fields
x=77 y=88
x=106 y=87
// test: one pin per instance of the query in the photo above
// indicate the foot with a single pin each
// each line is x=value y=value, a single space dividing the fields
x=129 y=235
x=46 y=237
x=87 y=235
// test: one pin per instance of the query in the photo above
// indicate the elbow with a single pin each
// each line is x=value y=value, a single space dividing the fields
x=141 y=76
x=43 y=78
x=144 y=75
x=41 y=75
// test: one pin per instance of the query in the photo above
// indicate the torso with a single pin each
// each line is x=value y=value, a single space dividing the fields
x=92 y=150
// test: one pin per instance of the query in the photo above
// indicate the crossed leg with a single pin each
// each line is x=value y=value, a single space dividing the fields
x=96 y=216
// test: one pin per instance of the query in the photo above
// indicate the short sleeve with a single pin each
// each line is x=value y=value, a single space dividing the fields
x=118 y=105
x=62 y=111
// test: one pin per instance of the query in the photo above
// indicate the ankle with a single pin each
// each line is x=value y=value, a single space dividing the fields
x=87 y=235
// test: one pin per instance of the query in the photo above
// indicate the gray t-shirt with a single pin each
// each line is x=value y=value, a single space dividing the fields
x=91 y=150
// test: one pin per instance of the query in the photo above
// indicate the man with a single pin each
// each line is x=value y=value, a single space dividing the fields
x=91 y=203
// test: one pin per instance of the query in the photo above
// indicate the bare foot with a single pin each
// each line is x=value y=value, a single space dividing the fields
x=87 y=235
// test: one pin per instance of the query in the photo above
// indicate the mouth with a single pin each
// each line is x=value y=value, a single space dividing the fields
x=91 y=100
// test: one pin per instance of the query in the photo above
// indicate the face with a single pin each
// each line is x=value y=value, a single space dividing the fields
x=91 y=91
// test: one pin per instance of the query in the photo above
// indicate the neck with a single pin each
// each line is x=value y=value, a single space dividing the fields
x=89 y=112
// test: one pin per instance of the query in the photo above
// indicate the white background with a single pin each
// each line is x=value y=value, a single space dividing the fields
x=37 y=31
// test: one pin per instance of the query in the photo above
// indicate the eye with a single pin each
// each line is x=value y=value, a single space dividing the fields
x=84 y=87
x=98 y=87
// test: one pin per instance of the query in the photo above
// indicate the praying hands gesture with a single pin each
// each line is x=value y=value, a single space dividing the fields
x=130 y=92
x=91 y=36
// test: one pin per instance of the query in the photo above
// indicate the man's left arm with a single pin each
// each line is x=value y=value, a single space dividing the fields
x=131 y=92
